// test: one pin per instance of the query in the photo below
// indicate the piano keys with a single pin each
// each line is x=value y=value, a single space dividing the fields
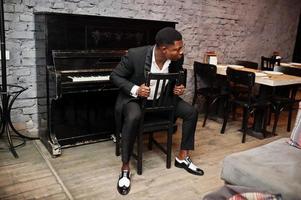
x=89 y=78
x=68 y=64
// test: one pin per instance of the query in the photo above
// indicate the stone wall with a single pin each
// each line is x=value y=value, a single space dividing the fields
x=234 y=29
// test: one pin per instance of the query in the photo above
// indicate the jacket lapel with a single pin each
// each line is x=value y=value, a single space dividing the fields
x=148 y=61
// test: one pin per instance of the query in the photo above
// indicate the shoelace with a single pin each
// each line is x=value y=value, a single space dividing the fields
x=188 y=160
x=124 y=180
x=190 y=164
x=125 y=173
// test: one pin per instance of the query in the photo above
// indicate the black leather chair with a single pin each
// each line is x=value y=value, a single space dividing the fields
x=157 y=115
x=268 y=64
x=248 y=64
x=249 y=102
x=209 y=89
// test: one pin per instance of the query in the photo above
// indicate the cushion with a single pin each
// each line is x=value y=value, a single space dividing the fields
x=273 y=167
x=255 y=196
x=233 y=192
x=295 y=139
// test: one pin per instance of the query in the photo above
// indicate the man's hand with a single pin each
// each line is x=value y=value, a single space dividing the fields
x=143 y=91
x=179 y=89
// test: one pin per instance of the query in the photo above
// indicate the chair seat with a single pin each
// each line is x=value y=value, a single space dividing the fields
x=155 y=124
x=282 y=100
x=239 y=90
x=211 y=92
x=208 y=91
x=254 y=103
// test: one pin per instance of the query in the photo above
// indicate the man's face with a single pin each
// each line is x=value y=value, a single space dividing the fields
x=173 y=51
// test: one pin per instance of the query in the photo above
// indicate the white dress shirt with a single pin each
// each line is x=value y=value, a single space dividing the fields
x=154 y=69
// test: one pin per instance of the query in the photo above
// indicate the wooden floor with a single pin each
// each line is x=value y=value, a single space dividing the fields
x=91 y=171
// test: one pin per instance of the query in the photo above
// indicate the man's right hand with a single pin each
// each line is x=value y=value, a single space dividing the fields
x=143 y=91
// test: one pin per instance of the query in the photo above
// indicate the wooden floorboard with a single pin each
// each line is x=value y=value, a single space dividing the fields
x=91 y=171
x=27 y=177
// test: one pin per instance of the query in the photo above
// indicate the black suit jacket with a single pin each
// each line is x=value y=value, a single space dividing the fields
x=132 y=70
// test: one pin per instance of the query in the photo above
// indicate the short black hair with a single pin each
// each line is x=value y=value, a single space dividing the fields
x=167 y=35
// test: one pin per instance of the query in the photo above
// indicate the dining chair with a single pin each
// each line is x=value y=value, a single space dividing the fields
x=248 y=101
x=268 y=64
x=212 y=93
x=284 y=98
x=157 y=115
x=247 y=64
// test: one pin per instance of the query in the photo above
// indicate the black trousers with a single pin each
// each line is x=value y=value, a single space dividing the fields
x=132 y=116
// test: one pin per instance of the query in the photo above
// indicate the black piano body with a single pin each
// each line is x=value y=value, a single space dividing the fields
x=80 y=110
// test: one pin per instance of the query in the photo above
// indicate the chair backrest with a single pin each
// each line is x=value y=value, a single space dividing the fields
x=288 y=70
x=248 y=64
x=206 y=73
x=268 y=64
x=239 y=78
x=164 y=86
x=291 y=89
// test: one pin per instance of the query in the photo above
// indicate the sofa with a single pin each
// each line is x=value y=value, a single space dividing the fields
x=274 y=167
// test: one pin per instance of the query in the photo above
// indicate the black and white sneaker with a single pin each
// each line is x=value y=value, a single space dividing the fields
x=124 y=182
x=188 y=166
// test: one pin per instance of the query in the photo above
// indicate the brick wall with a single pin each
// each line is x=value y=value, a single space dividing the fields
x=234 y=29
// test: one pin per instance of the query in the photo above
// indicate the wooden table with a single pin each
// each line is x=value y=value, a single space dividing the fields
x=294 y=65
x=289 y=68
x=267 y=82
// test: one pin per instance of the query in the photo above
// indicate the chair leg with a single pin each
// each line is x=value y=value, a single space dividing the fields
x=244 y=136
x=244 y=119
x=289 y=120
x=269 y=116
x=194 y=98
x=245 y=124
x=266 y=110
x=226 y=116
x=217 y=102
x=224 y=123
x=207 y=109
x=150 y=141
x=117 y=145
x=233 y=112
x=139 y=154
x=168 y=147
x=277 y=113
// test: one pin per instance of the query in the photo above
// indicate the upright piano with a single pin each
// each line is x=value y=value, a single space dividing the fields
x=81 y=52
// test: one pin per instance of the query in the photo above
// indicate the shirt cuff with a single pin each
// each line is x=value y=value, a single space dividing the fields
x=134 y=91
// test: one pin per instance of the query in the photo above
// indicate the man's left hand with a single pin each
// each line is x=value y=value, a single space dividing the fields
x=179 y=89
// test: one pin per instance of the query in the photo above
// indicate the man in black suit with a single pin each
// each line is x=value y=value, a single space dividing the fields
x=129 y=76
